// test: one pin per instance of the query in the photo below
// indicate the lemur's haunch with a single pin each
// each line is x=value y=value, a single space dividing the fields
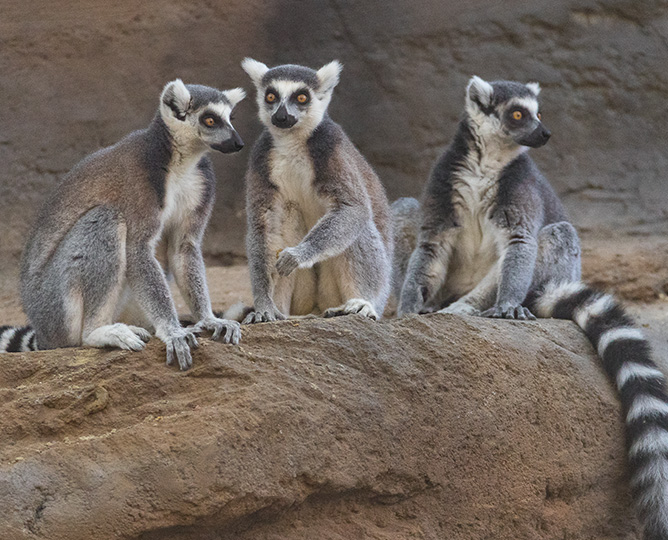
x=319 y=233
x=491 y=238
x=89 y=262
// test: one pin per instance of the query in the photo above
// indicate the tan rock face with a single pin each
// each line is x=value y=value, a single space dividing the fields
x=80 y=75
x=429 y=427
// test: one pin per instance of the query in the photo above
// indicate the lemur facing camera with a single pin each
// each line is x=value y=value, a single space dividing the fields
x=89 y=261
x=493 y=239
x=319 y=233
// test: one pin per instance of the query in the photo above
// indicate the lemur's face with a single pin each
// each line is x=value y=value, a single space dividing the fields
x=292 y=98
x=508 y=110
x=202 y=115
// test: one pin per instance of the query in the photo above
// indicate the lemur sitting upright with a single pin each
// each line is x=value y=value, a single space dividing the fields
x=494 y=240
x=319 y=233
x=90 y=256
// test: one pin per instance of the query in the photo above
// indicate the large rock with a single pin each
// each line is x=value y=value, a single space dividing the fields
x=79 y=75
x=428 y=427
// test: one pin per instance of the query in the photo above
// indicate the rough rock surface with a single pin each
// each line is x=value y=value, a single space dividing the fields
x=429 y=427
x=79 y=75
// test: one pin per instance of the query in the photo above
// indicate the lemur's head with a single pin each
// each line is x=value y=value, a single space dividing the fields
x=292 y=97
x=506 y=109
x=200 y=116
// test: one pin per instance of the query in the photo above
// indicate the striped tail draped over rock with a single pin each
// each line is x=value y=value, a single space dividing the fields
x=17 y=339
x=626 y=356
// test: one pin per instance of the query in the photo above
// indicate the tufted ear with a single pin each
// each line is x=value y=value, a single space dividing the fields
x=255 y=70
x=176 y=98
x=328 y=76
x=235 y=95
x=479 y=92
x=534 y=87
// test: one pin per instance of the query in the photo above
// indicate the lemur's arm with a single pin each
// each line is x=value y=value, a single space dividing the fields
x=260 y=197
x=349 y=216
x=149 y=286
x=518 y=259
x=428 y=264
x=332 y=234
x=184 y=250
x=427 y=269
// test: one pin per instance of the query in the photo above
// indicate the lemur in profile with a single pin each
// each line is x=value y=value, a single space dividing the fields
x=89 y=261
x=319 y=235
x=493 y=239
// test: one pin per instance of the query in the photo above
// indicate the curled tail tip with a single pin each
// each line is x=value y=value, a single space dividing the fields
x=17 y=339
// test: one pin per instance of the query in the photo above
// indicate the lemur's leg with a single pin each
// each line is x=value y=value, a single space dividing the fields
x=406 y=222
x=80 y=287
x=427 y=269
x=481 y=298
x=360 y=275
x=559 y=256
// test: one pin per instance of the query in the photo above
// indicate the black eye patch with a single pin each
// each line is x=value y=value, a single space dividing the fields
x=210 y=120
x=301 y=97
x=517 y=116
x=271 y=96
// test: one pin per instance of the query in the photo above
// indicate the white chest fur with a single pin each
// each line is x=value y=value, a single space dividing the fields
x=479 y=241
x=291 y=169
x=183 y=193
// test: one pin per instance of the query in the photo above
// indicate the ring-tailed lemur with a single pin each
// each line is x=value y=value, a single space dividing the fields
x=319 y=227
x=494 y=240
x=90 y=258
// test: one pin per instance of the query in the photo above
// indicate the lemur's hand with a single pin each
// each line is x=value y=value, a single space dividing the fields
x=264 y=312
x=288 y=261
x=509 y=311
x=229 y=331
x=179 y=342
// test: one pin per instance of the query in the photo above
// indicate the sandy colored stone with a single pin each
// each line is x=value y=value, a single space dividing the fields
x=429 y=427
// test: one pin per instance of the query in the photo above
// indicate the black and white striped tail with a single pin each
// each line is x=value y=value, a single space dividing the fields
x=17 y=339
x=626 y=356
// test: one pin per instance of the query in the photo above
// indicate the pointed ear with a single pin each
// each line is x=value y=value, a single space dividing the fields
x=534 y=87
x=255 y=70
x=176 y=98
x=328 y=76
x=235 y=96
x=479 y=92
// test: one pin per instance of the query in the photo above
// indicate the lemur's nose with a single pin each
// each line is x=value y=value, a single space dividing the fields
x=546 y=133
x=281 y=114
x=237 y=141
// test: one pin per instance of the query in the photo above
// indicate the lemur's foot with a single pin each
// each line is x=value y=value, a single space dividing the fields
x=460 y=308
x=260 y=316
x=229 y=331
x=143 y=334
x=352 y=306
x=179 y=344
x=509 y=312
x=118 y=335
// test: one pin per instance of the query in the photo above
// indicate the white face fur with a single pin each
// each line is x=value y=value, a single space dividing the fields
x=513 y=120
x=200 y=116
x=292 y=106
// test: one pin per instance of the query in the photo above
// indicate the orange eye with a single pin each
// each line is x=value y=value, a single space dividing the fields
x=210 y=122
x=539 y=116
x=517 y=115
x=302 y=98
x=270 y=97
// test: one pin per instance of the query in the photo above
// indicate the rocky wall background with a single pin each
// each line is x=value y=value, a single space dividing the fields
x=75 y=76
